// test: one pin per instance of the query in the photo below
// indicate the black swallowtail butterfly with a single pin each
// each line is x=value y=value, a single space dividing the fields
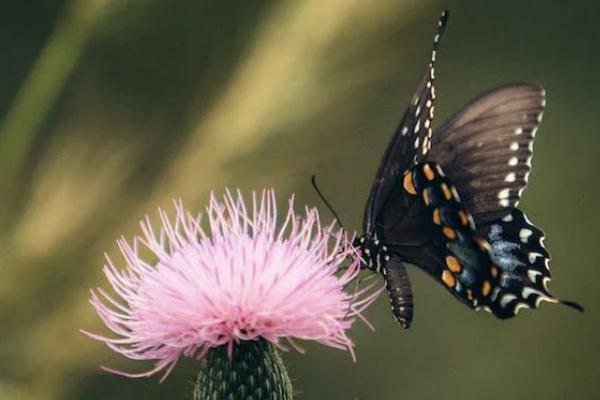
x=477 y=244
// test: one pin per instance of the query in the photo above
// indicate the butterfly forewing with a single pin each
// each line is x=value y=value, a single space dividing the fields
x=486 y=148
x=411 y=141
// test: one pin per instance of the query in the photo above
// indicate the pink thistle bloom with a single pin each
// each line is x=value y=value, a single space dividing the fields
x=247 y=278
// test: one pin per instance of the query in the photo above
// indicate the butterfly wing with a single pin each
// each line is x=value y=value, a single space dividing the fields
x=501 y=268
x=411 y=141
x=445 y=244
x=519 y=252
x=487 y=147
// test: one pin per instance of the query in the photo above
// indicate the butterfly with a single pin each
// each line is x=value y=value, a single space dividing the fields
x=446 y=201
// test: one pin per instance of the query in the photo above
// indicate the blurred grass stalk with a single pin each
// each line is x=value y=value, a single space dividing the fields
x=277 y=83
x=45 y=82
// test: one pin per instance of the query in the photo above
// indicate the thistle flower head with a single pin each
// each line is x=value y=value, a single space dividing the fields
x=187 y=289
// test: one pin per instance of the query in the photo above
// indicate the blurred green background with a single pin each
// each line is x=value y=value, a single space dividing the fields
x=111 y=108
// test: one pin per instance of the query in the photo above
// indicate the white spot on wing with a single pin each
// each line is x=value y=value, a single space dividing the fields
x=495 y=293
x=404 y=130
x=507 y=298
x=504 y=193
x=513 y=161
x=439 y=170
x=454 y=193
x=520 y=306
x=533 y=256
x=524 y=235
x=528 y=291
x=534 y=131
x=532 y=275
x=545 y=282
x=514 y=146
x=510 y=177
x=518 y=131
x=539 y=300
x=508 y=218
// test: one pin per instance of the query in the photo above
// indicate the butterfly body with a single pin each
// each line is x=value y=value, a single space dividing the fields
x=446 y=202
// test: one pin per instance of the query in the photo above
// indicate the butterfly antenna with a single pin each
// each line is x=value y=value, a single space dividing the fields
x=313 y=179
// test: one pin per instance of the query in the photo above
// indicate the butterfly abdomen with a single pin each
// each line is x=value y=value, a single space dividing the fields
x=400 y=293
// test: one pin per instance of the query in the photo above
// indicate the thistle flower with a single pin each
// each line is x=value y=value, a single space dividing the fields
x=247 y=278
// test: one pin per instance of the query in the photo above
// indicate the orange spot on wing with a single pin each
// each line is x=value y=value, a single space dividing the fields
x=469 y=294
x=449 y=233
x=453 y=264
x=483 y=245
x=437 y=218
x=429 y=174
x=494 y=271
x=446 y=191
x=486 y=287
x=426 y=197
x=448 y=278
x=408 y=184
x=464 y=218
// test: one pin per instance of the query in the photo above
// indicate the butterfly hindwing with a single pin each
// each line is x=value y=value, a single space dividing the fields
x=519 y=252
x=487 y=147
x=453 y=254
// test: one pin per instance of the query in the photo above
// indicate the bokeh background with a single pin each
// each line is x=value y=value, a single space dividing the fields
x=110 y=108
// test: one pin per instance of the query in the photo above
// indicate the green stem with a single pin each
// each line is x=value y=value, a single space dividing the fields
x=254 y=372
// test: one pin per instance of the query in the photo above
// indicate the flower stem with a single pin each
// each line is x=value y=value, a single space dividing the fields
x=254 y=372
